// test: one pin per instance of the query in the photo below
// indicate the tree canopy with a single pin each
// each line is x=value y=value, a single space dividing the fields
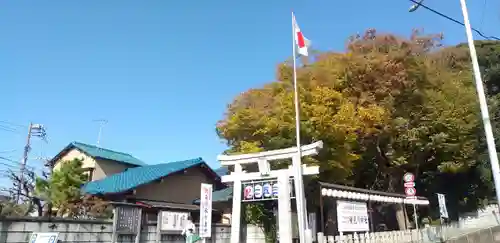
x=386 y=106
x=62 y=191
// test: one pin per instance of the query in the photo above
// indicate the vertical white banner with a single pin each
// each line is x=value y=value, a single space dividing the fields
x=206 y=211
x=443 y=211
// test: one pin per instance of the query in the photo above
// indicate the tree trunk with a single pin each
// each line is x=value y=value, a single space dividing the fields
x=401 y=216
x=39 y=206
x=47 y=210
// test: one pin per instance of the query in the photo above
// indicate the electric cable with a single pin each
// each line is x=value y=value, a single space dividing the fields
x=420 y=4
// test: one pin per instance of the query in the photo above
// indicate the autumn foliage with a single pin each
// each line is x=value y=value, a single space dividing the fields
x=386 y=106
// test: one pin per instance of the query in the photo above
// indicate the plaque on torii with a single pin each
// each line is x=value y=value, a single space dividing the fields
x=263 y=160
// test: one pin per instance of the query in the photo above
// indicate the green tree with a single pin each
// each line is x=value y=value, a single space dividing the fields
x=386 y=106
x=262 y=215
x=62 y=188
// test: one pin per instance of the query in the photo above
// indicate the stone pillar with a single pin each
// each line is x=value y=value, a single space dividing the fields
x=284 y=209
x=236 y=214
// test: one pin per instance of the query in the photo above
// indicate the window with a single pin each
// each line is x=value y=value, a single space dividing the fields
x=90 y=173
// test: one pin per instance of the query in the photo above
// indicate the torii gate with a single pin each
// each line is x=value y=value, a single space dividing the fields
x=265 y=173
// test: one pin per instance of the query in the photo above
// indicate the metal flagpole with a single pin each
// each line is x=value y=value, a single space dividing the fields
x=490 y=140
x=297 y=163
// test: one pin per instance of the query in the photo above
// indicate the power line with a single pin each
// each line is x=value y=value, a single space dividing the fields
x=12 y=124
x=8 y=129
x=8 y=151
x=8 y=165
x=12 y=161
x=420 y=4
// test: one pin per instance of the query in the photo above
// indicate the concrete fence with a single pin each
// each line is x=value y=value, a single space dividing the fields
x=481 y=229
x=18 y=230
x=488 y=235
x=377 y=237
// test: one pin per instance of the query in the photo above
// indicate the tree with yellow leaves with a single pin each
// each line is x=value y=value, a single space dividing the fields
x=385 y=106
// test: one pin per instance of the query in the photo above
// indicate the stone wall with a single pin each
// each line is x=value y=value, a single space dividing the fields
x=489 y=235
x=18 y=230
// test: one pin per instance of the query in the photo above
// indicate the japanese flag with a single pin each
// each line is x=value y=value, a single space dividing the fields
x=301 y=41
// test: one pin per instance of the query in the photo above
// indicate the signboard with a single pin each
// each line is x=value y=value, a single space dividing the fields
x=206 y=211
x=128 y=219
x=443 y=211
x=173 y=221
x=352 y=216
x=409 y=184
x=409 y=177
x=44 y=237
x=262 y=190
x=410 y=191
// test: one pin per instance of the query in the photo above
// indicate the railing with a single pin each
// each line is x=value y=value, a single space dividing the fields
x=489 y=235
x=377 y=237
x=485 y=228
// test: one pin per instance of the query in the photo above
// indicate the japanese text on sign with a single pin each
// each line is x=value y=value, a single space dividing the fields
x=48 y=237
x=128 y=219
x=173 y=221
x=206 y=211
x=352 y=216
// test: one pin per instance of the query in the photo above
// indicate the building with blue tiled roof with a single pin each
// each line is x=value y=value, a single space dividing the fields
x=121 y=177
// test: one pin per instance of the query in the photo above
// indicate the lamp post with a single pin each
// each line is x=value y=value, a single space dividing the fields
x=415 y=6
x=490 y=140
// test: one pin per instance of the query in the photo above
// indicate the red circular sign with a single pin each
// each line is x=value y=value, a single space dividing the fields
x=409 y=177
x=410 y=191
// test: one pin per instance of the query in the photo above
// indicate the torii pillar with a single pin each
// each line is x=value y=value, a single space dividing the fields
x=282 y=176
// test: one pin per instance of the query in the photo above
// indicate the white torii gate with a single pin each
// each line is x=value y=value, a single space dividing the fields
x=282 y=176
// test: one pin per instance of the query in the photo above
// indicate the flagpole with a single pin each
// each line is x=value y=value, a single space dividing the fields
x=297 y=163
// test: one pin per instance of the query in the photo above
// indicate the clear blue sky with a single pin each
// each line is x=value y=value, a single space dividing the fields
x=162 y=72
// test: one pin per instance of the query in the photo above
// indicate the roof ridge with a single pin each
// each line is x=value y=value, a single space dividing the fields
x=194 y=160
x=197 y=160
x=186 y=160
x=96 y=147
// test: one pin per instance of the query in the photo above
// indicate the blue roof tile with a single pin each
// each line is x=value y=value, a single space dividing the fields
x=224 y=195
x=134 y=177
x=98 y=152
x=222 y=171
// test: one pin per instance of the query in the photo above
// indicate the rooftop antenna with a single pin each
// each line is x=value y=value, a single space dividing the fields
x=102 y=122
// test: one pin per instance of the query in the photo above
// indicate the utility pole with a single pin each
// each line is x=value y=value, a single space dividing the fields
x=488 y=130
x=27 y=148
x=483 y=105
x=34 y=130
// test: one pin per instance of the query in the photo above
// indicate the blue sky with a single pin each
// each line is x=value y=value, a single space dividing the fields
x=162 y=72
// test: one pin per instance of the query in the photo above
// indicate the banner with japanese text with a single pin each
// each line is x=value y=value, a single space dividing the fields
x=206 y=211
